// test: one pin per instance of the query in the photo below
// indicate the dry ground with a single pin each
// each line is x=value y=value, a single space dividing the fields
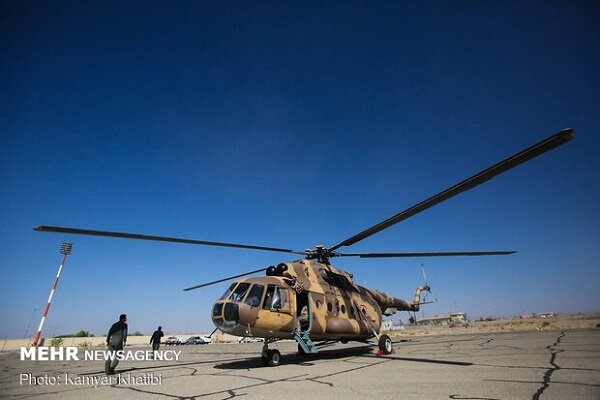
x=562 y=322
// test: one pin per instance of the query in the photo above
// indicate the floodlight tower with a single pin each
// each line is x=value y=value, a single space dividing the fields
x=65 y=250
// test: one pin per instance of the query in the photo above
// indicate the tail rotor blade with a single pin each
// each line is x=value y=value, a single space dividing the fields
x=424 y=275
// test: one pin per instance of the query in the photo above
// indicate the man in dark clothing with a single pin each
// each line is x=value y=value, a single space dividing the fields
x=115 y=340
x=155 y=339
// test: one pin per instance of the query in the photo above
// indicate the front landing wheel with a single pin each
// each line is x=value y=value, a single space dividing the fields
x=273 y=358
x=385 y=344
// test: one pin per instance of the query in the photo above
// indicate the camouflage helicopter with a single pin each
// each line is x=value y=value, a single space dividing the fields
x=311 y=300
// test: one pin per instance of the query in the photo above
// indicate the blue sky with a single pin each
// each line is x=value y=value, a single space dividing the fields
x=291 y=124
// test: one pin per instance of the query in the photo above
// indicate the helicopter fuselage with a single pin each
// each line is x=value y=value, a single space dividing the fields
x=304 y=295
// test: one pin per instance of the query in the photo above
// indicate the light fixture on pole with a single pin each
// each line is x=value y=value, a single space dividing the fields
x=65 y=250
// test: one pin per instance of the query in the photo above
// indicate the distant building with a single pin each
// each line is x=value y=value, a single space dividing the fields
x=547 y=315
x=389 y=326
x=527 y=316
x=455 y=318
x=386 y=326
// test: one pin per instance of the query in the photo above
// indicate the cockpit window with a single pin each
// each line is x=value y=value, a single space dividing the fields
x=268 y=297
x=228 y=291
x=281 y=301
x=255 y=295
x=239 y=292
x=276 y=305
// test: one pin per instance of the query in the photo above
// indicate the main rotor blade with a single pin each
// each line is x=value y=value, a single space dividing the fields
x=427 y=254
x=469 y=183
x=123 y=235
x=224 y=279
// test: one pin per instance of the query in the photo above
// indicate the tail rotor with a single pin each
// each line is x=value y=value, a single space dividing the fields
x=426 y=292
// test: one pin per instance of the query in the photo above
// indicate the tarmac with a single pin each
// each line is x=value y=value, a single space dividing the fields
x=514 y=365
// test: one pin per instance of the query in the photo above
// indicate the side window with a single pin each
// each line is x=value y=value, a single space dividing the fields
x=255 y=295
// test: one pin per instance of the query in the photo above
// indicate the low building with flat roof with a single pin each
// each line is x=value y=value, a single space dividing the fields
x=454 y=318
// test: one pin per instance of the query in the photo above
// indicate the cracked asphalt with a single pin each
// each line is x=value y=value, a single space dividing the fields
x=514 y=365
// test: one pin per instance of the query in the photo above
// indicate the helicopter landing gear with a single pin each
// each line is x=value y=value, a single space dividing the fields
x=272 y=358
x=385 y=344
x=301 y=351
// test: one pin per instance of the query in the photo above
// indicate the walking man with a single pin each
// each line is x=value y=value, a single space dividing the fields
x=115 y=340
x=155 y=339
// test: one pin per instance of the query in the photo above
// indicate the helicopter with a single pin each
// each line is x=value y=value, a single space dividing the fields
x=310 y=300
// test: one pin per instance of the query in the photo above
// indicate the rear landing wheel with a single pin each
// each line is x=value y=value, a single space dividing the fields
x=385 y=344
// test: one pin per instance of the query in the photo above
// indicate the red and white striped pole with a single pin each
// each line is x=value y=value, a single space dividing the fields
x=65 y=250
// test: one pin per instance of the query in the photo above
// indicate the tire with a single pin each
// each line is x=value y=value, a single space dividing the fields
x=273 y=358
x=385 y=344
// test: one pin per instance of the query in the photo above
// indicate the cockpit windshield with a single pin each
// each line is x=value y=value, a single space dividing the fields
x=255 y=295
x=228 y=292
x=239 y=292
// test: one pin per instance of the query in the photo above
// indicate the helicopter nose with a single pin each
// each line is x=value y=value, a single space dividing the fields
x=226 y=315
x=217 y=310
x=231 y=314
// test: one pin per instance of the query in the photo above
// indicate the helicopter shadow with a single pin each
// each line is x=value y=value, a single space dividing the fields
x=297 y=359
x=324 y=355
